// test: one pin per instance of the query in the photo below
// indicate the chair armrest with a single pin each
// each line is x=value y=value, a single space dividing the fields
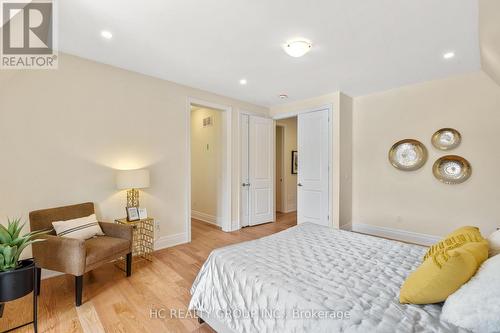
x=60 y=254
x=117 y=230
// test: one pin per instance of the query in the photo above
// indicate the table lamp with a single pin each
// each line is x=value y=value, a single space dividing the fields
x=132 y=180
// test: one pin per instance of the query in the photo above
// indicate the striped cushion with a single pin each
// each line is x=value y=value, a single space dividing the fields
x=80 y=228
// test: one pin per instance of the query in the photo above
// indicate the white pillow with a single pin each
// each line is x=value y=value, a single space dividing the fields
x=80 y=228
x=494 y=240
x=476 y=305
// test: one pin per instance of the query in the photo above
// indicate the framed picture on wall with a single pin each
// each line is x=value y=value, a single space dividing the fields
x=295 y=162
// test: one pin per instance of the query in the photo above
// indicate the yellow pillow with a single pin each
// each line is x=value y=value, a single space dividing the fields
x=456 y=239
x=447 y=266
x=440 y=276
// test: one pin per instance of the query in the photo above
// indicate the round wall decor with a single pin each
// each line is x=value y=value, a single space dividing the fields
x=452 y=169
x=446 y=139
x=408 y=155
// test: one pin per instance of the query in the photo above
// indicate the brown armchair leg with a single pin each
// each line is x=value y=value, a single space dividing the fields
x=78 y=289
x=129 y=264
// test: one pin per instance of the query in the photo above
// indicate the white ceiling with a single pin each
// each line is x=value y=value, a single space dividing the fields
x=359 y=46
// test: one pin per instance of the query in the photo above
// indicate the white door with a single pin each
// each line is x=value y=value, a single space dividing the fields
x=261 y=161
x=245 y=177
x=313 y=158
x=256 y=183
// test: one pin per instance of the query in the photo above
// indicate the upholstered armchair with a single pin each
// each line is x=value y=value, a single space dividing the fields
x=76 y=256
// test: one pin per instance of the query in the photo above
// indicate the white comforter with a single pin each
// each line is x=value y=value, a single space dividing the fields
x=311 y=278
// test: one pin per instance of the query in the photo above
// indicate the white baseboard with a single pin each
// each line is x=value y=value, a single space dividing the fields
x=170 y=240
x=290 y=207
x=397 y=234
x=206 y=218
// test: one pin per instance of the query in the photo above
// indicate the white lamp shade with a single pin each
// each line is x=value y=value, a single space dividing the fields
x=128 y=179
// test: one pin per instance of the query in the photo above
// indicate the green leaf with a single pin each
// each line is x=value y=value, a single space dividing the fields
x=9 y=254
x=4 y=235
x=42 y=231
x=12 y=244
x=19 y=240
x=23 y=246
x=12 y=225
x=18 y=231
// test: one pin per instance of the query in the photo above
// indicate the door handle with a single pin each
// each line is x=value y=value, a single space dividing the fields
x=245 y=184
x=299 y=184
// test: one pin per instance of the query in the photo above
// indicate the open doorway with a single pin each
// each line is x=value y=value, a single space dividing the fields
x=206 y=165
x=309 y=189
x=209 y=161
x=286 y=166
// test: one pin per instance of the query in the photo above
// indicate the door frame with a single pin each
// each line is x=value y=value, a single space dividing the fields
x=236 y=224
x=284 y=201
x=296 y=113
x=226 y=161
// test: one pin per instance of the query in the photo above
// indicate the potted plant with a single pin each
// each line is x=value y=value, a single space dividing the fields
x=16 y=276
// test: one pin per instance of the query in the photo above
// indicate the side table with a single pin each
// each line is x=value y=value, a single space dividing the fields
x=143 y=237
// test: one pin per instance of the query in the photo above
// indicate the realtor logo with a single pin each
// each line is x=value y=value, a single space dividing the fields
x=28 y=35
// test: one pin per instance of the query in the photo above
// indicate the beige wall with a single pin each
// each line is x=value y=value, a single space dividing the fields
x=489 y=35
x=207 y=165
x=290 y=125
x=345 y=163
x=416 y=201
x=341 y=127
x=64 y=132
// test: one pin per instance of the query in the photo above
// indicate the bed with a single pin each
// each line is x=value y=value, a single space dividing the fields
x=312 y=278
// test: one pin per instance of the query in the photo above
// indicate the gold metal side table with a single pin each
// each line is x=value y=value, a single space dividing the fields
x=143 y=237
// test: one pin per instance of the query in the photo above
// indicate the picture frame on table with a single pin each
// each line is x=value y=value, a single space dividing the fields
x=143 y=213
x=132 y=214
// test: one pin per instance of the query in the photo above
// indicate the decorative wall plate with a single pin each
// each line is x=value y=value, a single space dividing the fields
x=408 y=155
x=452 y=169
x=446 y=139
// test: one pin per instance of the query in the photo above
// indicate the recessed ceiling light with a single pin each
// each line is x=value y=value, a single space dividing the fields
x=243 y=82
x=297 y=48
x=283 y=96
x=106 y=34
x=449 y=55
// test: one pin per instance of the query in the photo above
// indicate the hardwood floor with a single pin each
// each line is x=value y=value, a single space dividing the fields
x=114 y=303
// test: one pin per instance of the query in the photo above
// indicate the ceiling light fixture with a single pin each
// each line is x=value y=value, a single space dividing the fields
x=106 y=34
x=449 y=55
x=243 y=82
x=283 y=96
x=297 y=48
